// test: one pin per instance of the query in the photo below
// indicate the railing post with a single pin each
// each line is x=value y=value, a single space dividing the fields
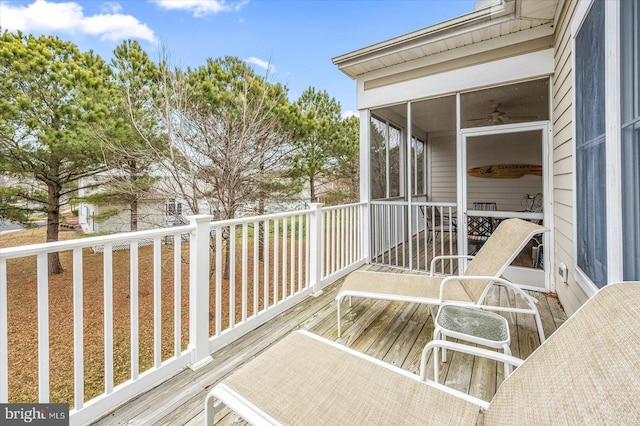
x=315 y=244
x=199 y=291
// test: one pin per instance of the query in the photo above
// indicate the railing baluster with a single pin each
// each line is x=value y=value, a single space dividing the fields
x=256 y=266
x=404 y=225
x=43 y=328
x=78 y=331
x=376 y=231
x=416 y=215
x=334 y=242
x=426 y=238
x=352 y=234
x=245 y=270
x=133 y=298
x=219 y=273
x=342 y=238
x=276 y=247
x=388 y=221
x=177 y=295
x=232 y=276
x=285 y=226
x=433 y=234
x=292 y=261
x=265 y=263
x=4 y=338
x=308 y=241
x=107 y=271
x=157 y=302
x=450 y=241
x=300 y=242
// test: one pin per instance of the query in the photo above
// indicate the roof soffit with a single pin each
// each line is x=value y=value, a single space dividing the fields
x=506 y=17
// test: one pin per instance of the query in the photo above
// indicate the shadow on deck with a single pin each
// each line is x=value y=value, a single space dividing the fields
x=394 y=332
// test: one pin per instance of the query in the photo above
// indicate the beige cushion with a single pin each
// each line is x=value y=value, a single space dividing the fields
x=304 y=381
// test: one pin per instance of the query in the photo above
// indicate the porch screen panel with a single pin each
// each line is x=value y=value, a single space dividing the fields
x=378 y=159
x=630 y=72
x=418 y=165
x=395 y=142
x=590 y=146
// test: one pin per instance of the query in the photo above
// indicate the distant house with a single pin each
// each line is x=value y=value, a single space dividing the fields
x=546 y=87
x=152 y=213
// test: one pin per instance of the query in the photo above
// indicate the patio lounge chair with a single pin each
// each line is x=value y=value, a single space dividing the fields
x=587 y=372
x=496 y=254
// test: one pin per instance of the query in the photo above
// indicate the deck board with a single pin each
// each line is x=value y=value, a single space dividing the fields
x=394 y=332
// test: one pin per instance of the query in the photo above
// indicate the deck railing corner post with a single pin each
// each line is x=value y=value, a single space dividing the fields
x=315 y=252
x=199 y=290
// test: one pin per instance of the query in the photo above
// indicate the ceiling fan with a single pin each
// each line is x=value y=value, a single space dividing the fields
x=500 y=117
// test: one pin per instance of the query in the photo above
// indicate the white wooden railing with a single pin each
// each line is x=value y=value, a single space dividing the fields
x=409 y=237
x=278 y=260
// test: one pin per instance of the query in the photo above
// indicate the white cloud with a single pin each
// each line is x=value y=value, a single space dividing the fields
x=261 y=63
x=110 y=7
x=201 y=8
x=69 y=18
x=347 y=114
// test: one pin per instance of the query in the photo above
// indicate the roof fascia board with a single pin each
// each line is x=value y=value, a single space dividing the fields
x=493 y=22
x=430 y=34
x=450 y=55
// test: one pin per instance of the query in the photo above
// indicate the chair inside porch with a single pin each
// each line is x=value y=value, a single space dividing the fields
x=394 y=332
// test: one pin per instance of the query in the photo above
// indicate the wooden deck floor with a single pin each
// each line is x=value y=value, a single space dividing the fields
x=394 y=332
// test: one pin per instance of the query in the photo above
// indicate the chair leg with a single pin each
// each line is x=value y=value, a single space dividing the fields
x=507 y=366
x=436 y=357
x=339 y=328
x=436 y=365
x=209 y=411
x=539 y=326
x=444 y=351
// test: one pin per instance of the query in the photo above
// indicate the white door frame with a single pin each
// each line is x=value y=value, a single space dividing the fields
x=547 y=179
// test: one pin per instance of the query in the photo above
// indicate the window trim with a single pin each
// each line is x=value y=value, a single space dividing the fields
x=612 y=144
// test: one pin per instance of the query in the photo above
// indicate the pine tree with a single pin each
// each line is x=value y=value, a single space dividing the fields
x=49 y=95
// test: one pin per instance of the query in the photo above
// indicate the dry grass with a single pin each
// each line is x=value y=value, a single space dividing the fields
x=22 y=321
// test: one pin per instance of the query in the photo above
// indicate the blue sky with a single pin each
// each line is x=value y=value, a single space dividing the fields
x=297 y=38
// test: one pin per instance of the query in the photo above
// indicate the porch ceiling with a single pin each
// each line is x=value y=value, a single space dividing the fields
x=500 y=18
x=525 y=99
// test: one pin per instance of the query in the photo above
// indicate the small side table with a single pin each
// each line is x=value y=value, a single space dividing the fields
x=474 y=325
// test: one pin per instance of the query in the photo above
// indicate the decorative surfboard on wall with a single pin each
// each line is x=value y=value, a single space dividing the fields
x=505 y=171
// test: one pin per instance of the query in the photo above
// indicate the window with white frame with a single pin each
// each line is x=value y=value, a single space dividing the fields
x=607 y=139
x=590 y=146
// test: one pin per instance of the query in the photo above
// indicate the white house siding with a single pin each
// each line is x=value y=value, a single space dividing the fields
x=151 y=215
x=571 y=295
x=443 y=168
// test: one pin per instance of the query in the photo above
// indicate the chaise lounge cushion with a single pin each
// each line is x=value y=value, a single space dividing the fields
x=321 y=384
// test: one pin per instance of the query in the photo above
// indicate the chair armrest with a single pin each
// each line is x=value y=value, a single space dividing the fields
x=471 y=350
x=446 y=256
x=467 y=277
